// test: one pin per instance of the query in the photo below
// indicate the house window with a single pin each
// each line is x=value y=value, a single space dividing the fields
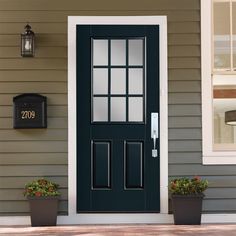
x=218 y=50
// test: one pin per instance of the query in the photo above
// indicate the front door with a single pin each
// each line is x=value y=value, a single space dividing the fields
x=117 y=118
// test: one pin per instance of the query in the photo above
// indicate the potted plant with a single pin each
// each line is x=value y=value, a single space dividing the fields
x=43 y=198
x=187 y=195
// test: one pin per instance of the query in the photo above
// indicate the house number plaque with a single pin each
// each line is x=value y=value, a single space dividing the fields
x=30 y=111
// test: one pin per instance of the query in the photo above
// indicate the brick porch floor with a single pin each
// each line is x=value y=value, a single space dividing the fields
x=123 y=230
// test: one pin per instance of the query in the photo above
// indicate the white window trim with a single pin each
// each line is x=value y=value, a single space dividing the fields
x=210 y=157
x=72 y=174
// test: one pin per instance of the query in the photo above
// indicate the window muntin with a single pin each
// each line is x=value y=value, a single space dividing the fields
x=118 y=80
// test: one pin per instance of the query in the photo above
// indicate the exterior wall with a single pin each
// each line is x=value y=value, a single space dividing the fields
x=28 y=154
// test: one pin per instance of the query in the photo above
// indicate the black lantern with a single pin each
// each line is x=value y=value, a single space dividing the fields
x=27 y=42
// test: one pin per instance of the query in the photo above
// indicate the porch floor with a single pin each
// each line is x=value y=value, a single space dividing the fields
x=123 y=230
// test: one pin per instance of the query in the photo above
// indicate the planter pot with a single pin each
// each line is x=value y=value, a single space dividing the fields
x=43 y=210
x=187 y=209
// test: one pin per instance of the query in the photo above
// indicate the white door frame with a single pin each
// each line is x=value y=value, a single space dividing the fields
x=72 y=150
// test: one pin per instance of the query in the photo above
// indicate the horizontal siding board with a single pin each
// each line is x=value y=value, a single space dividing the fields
x=17 y=194
x=185 y=134
x=184 y=98
x=36 y=135
x=33 y=64
x=42 y=52
x=183 y=62
x=33 y=158
x=23 y=207
x=185 y=146
x=7 y=182
x=57 y=111
x=182 y=27
x=178 y=170
x=58 y=122
x=185 y=122
x=184 y=39
x=33 y=87
x=101 y=5
x=222 y=181
x=54 y=40
x=52 y=99
x=187 y=158
x=61 y=16
x=184 y=74
x=40 y=28
x=223 y=205
x=33 y=75
x=183 y=51
x=184 y=86
x=184 y=110
x=33 y=170
x=33 y=146
x=220 y=193
x=53 y=123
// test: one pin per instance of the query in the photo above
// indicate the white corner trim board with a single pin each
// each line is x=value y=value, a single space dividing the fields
x=114 y=20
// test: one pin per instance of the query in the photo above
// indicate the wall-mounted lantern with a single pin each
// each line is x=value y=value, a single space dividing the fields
x=27 y=42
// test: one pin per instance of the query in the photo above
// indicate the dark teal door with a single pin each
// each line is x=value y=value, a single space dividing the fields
x=117 y=94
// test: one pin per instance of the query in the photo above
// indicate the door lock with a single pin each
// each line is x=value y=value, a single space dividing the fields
x=154 y=131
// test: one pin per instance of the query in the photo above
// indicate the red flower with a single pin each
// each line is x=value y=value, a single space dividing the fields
x=197 y=178
x=50 y=189
x=38 y=194
x=173 y=185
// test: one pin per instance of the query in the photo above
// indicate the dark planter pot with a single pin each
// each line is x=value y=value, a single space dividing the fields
x=43 y=211
x=187 y=209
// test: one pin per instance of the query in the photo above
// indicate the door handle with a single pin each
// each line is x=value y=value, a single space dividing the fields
x=154 y=131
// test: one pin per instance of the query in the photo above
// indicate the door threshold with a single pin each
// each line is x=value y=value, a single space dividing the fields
x=117 y=218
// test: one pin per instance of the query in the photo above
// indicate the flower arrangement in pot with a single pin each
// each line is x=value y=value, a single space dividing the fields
x=187 y=195
x=43 y=196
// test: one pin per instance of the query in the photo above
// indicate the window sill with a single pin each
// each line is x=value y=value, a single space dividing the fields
x=219 y=160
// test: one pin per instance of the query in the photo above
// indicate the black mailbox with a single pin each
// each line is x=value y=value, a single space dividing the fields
x=30 y=111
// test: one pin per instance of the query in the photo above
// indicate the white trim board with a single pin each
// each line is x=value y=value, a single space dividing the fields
x=114 y=20
x=119 y=219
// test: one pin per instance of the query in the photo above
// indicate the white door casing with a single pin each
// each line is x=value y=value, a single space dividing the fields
x=72 y=153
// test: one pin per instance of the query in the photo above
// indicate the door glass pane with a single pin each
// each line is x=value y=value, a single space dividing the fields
x=118 y=109
x=135 y=81
x=100 y=81
x=100 y=109
x=118 y=81
x=100 y=52
x=118 y=52
x=234 y=33
x=136 y=52
x=221 y=35
x=136 y=109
